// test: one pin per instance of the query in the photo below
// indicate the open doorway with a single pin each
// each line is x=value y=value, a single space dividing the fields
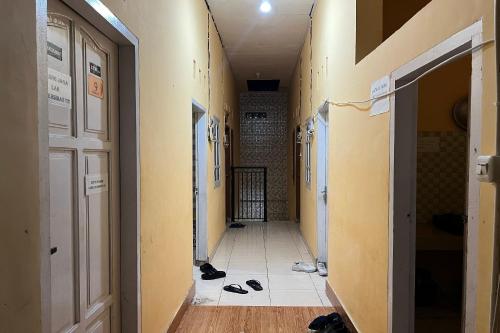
x=441 y=203
x=435 y=136
x=322 y=185
x=200 y=218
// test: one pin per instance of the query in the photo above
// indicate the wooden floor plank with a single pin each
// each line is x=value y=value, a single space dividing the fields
x=242 y=319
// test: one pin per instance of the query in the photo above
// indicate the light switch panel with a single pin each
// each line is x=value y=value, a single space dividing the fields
x=488 y=169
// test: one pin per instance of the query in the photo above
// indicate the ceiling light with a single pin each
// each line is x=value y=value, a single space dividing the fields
x=265 y=7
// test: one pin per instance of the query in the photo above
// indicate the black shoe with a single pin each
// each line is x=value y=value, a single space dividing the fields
x=333 y=320
x=338 y=327
x=319 y=323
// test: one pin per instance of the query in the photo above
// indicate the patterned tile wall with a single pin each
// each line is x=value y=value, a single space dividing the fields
x=264 y=143
x=441 y=174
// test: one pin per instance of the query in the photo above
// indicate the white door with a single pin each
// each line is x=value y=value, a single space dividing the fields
x=200 y=167
x=322 y=188
x=84 y=180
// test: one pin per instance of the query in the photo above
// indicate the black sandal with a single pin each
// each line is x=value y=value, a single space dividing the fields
x=255 y=285
x=213 y=275
x=333 y=322
x=235 y=288
x=207 y=268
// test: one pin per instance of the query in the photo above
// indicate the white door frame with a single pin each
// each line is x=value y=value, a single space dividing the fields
x=322 y=183
x=97 y=14
x=402 y=202
x=201 y=180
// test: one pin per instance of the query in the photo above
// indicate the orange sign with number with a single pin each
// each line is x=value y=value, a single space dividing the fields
x=95 y=86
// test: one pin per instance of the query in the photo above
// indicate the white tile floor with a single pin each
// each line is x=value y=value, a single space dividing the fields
x=264 y=252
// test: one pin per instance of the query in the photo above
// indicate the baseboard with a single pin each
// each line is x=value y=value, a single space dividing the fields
x=315 y=259
x=211 y=255
x=182 y=310
x=340 y=308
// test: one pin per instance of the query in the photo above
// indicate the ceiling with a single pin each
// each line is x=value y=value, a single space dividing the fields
x=262 y=43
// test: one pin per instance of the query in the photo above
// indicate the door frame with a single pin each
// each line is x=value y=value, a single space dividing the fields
x=298 y=177
x=202 y=182
x=322 y=171
x=227 y=172
x=97 y=14
x=403 y=142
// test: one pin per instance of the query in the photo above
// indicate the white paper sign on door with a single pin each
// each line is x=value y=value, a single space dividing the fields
x=59 y=89
x=379 y=88
x=96 y=184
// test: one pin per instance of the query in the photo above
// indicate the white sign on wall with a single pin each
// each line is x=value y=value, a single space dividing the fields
x=96 y=184
x=379 y=88
x=59 y=89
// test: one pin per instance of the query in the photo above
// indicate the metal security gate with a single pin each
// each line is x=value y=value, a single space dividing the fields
x=249 y=194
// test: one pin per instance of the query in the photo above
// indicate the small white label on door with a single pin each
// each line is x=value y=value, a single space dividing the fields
x=59 y=89
x=380 y=88
x=96 y=184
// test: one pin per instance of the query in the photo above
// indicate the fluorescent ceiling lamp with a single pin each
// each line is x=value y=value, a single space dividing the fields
x=265 y=7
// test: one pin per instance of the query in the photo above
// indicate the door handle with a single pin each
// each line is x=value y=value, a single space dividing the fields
x=325 y=193
x=53 y=250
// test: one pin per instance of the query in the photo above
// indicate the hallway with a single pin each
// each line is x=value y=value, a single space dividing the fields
x=150 y=140
x=264 y=252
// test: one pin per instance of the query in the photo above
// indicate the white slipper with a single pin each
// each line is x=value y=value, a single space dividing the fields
x=301 y=266
x=322 y=269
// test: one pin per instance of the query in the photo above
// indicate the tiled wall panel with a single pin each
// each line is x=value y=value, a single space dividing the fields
x=441 y=174
x=264 y=144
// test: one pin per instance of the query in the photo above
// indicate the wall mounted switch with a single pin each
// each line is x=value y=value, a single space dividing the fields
x=488 y=169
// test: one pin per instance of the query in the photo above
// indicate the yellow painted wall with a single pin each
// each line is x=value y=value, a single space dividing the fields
x=223 y=100
x=172 y=34
x=167 y=85
x=359 y=150
x=173 y=71
x=307 y=93
x=22 y=196
x=308 y=192
x=231 y=106
x=293 y=120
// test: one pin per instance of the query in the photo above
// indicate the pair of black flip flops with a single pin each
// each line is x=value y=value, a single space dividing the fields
x=236 y=288
x=332 y=323
x=210 y=273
